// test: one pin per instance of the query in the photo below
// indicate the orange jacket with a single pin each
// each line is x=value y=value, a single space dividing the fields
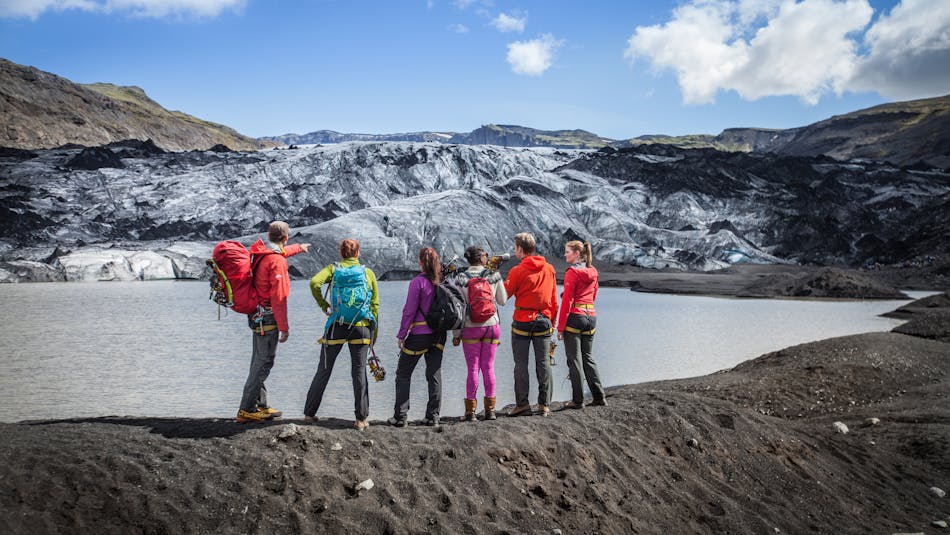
x=272 y=281
x=533 y=284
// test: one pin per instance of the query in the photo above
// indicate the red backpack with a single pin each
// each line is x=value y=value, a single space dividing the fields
x=481 y=300
x=232 y=284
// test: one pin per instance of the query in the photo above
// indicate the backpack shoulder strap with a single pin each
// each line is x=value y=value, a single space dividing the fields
x=256 y=261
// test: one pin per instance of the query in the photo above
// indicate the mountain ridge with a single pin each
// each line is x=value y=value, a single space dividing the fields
x=903 y=133
x=41 y=110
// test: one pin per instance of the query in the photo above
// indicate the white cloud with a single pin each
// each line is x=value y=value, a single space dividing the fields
x=508 y=23
x=138 y=8
x=805 y=48
x=458 y=28
x=533 y=57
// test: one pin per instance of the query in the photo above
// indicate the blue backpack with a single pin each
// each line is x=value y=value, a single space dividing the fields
x=349 y=295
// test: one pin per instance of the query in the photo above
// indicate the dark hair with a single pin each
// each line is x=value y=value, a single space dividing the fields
x=431 y=267
x=474 y=255
x=583 y=249
x=349 y=248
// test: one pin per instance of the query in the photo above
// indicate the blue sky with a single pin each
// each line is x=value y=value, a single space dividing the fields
x=617 y=68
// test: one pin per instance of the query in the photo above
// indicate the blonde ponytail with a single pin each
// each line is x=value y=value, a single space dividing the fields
x=588 y=257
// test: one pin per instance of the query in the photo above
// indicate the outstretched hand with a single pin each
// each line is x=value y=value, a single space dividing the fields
x=305 y=247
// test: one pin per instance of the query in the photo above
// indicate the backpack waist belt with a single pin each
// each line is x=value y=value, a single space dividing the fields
x=414 y=352
x=578 y=331
x=536 y=333
x=481 y=341
x=341 y=341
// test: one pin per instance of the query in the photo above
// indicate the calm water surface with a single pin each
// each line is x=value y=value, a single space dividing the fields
x=158 y=349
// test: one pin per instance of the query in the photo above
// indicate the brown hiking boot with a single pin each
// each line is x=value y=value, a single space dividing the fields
x=361 y=424
x=572 y=405
x=470 y=405
x=489 y=408
x=544 y=410
x=521 y=410
x=598 y=403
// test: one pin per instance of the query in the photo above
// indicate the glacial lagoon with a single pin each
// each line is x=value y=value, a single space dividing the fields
x=158 y=349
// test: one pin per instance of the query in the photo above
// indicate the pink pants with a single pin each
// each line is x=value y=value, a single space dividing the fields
x=479 y=345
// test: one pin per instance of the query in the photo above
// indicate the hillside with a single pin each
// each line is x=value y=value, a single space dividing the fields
x=42 y=110
x=902 y=133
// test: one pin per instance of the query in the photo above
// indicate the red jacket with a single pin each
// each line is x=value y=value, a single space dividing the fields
x=271 y=280
x=580 y=288
x=534 y=287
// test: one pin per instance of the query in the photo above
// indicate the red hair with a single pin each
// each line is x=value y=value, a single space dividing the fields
x=349 y=248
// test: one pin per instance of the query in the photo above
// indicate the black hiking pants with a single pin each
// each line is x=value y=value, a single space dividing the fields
x=359 y=340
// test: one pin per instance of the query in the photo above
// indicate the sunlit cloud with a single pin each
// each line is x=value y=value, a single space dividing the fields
x=806 y=48
x=508 y=23
x=533 y=57
x=458 y=28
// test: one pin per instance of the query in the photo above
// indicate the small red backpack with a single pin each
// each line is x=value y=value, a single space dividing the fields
x=481 y=300
x=232 y=284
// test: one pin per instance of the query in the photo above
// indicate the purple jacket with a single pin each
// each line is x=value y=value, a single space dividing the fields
x=418 y=302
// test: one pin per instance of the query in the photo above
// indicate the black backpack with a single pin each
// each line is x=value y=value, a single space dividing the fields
x=447 y=311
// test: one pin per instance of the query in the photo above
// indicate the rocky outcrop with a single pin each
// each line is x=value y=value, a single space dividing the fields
x=42 y=110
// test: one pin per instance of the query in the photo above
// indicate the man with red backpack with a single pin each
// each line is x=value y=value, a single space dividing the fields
x=269 y=324
x=483 y=289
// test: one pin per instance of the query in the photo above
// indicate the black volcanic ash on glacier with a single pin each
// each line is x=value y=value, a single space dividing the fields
x=159 y=214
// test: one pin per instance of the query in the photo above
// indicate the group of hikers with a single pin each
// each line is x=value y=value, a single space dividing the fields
x=353 y=311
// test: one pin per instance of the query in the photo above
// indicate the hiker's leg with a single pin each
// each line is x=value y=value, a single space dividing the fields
x=486 y=359
x=542 y=366
x=407 y=363
x=434 y=376
x=471 y=350
x=590 y=367
x=263 y=349
x=328 y=355
x=519 y=349
x=572 y=348
x=359 y=350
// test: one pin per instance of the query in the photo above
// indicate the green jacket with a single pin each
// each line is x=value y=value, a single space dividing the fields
x=325 y=276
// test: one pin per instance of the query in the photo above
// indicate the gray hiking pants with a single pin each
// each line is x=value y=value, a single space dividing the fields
x=524 y=335
x=580 y=359
x=263 y=352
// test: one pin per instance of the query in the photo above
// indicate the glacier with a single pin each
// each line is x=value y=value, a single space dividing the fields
x=159 y=215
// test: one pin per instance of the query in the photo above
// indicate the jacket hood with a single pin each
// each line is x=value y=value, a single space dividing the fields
x=533 y=263
x=261 y=247
x=585 y=275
